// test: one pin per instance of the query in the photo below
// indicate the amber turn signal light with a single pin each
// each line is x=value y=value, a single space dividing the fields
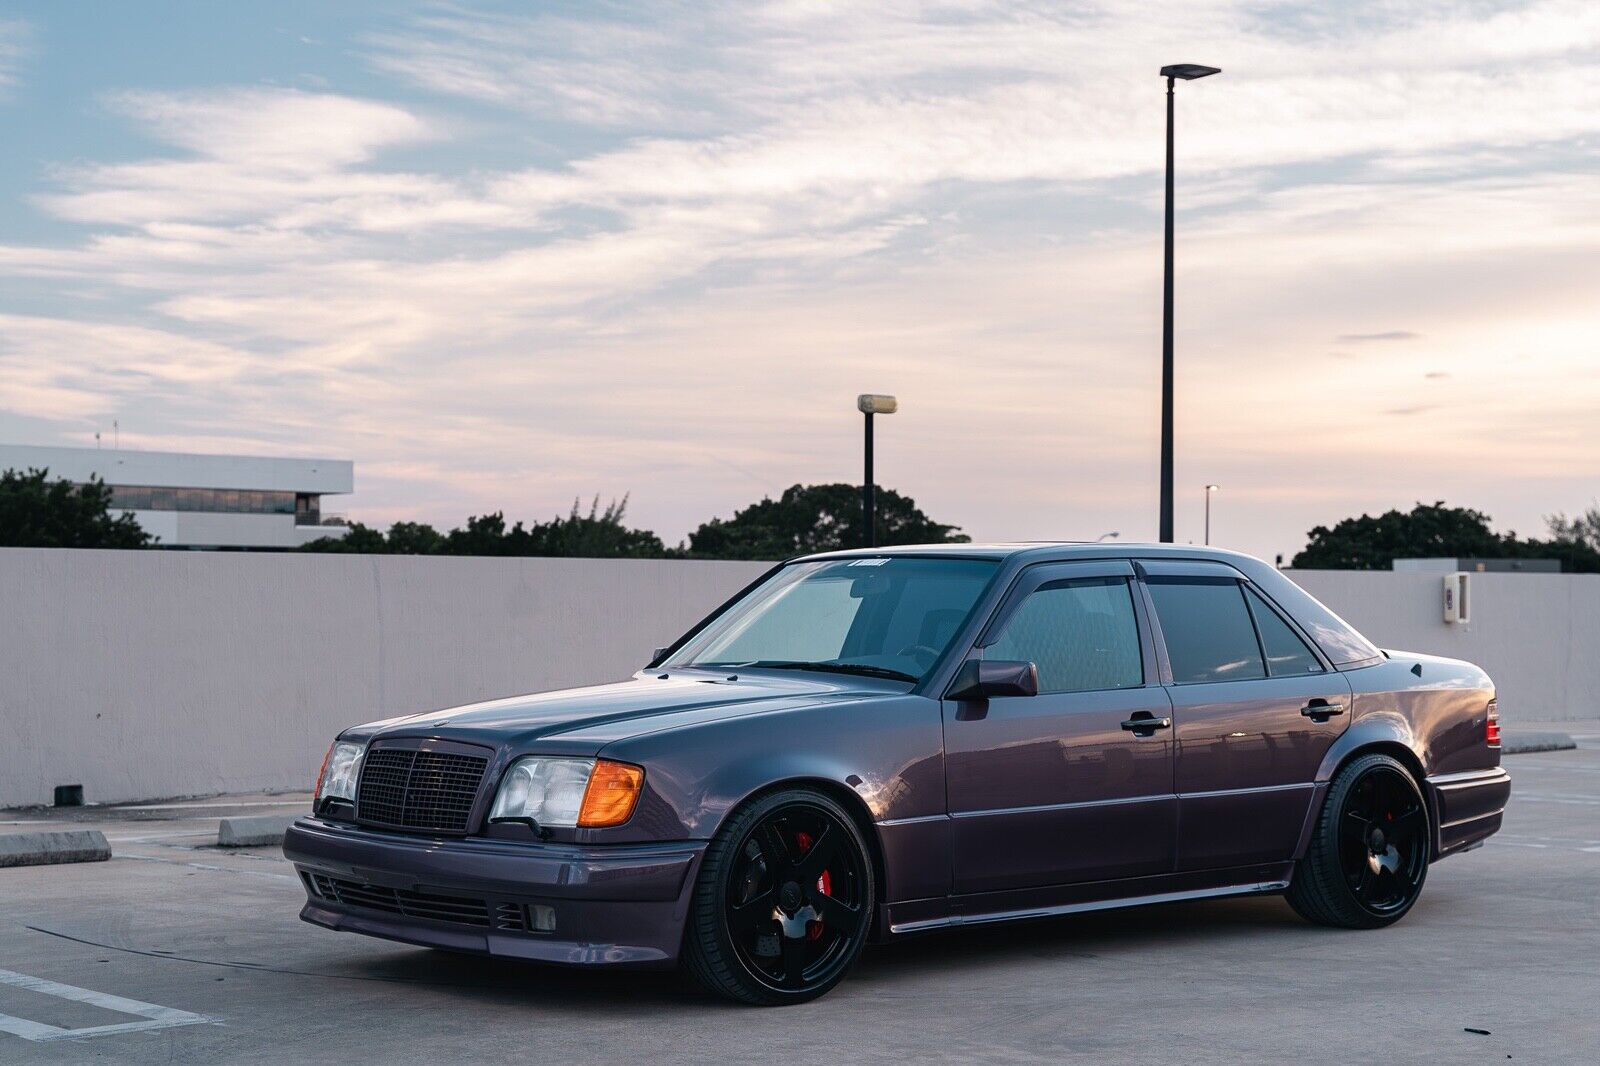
x=612 y=793
x=316 y=791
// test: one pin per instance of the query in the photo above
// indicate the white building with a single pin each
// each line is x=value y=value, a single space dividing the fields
x=205 y=501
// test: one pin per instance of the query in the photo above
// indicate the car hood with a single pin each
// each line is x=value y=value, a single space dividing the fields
x=587 y=718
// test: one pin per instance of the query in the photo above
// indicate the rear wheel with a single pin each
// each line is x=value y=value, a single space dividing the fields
x=1369 y=854
x=783 y=901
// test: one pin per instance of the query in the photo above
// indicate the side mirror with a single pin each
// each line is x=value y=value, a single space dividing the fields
x=979 y=679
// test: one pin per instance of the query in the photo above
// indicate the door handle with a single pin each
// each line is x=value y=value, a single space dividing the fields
x=1321 y=710
x=1147 y=723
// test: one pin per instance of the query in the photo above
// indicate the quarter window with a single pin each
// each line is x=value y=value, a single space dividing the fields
x=1287 y=654
x=1081 y=634
x=1207 y=630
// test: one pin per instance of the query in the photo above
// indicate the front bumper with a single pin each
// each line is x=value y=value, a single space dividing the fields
x=613 y=905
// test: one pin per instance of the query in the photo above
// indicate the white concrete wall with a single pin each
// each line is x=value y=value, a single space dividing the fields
x=154 y=674
x=1538 y=635
x=226 y=529
x=151 y=674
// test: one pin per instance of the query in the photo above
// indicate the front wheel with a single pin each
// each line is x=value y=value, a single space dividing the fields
x=1369 y=854
x=783 y=901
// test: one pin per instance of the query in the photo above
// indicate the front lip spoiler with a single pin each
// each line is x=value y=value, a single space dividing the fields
x=615 y=905
x=488 y=942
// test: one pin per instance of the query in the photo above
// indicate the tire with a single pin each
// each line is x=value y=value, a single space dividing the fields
x=783 y=901
x=1369 y=853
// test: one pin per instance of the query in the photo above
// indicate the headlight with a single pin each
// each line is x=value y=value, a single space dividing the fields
x=339 y=772
x=568 y=793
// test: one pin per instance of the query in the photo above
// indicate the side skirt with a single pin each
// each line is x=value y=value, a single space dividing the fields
x=914 y=916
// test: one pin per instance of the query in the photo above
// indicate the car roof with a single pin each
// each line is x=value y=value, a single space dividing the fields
x=1042 y=551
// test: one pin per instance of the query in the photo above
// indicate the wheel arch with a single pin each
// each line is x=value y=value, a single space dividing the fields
x=1378 y=743
x=1400 y=752
x=1382 y=731
x=853 y=805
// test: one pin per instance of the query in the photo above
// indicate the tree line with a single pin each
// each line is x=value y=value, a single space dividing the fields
x=36 y=511
x=803 y=519
x=1436 y=531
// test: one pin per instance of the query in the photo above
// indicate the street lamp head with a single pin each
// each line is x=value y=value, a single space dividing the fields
x=1212 y=488
x=869 y=403
x=1189 y=71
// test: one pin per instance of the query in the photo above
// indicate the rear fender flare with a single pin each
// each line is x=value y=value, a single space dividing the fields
x=1376 y=731
x=1376 y=728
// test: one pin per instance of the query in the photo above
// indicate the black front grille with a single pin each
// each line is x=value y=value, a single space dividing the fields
x=414 y=789
x=459 y=910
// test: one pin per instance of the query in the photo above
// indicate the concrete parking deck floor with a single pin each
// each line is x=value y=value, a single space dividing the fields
x=207 y=947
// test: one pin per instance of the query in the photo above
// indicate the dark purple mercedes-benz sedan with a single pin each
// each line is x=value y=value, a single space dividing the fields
x=866 y=744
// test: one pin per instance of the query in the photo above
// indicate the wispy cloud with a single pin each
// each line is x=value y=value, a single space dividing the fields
x=1386 y=335
x=16 y=39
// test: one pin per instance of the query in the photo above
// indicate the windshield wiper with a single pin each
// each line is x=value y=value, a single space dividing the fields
x=859 y=669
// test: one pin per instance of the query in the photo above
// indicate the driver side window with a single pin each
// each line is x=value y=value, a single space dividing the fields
x=1082 y=634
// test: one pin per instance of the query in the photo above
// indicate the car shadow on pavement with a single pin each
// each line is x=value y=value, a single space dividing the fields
x=979 y=946
x=1084 y=935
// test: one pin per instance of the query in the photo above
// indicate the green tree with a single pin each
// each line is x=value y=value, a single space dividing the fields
x=814 y=518
x=1575 y=541
x=1369 y=543
x=361 y=540
x=1437 y=531
x=1584 y=529
x=596 y=535
x=36 y=512
x=414 y=538
x=484 y=535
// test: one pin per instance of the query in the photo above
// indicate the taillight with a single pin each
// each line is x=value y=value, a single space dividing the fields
x=1491 y=729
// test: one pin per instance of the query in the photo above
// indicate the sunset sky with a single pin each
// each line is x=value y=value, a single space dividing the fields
x=503 y=256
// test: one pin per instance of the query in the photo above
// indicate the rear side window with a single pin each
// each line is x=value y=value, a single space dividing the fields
x=1287 y=654
x=1208 y=630
x=1081 y=634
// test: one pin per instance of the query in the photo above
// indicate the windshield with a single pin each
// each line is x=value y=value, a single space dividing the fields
x=883 y=617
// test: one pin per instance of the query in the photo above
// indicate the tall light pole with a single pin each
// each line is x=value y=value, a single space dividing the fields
x=871 y=404
x=1178 y=72
x=1209 y=490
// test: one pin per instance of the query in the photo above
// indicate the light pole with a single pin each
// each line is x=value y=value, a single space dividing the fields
x=1209 y=490
x=871 y=404
x=1184 y=72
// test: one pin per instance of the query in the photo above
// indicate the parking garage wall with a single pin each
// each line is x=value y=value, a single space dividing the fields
x=144 y=675
x=1538 y=635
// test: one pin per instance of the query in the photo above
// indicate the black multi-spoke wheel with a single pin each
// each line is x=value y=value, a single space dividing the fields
x=1369 y=855
x=783 y=901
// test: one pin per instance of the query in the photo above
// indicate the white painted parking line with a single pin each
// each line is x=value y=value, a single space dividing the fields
x=211 y=805
x=154 y=1017
x=212 y=867
x=1538 y=768
x=1539 y=797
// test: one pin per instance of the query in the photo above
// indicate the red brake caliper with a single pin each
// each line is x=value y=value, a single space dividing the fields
x=802 y=839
